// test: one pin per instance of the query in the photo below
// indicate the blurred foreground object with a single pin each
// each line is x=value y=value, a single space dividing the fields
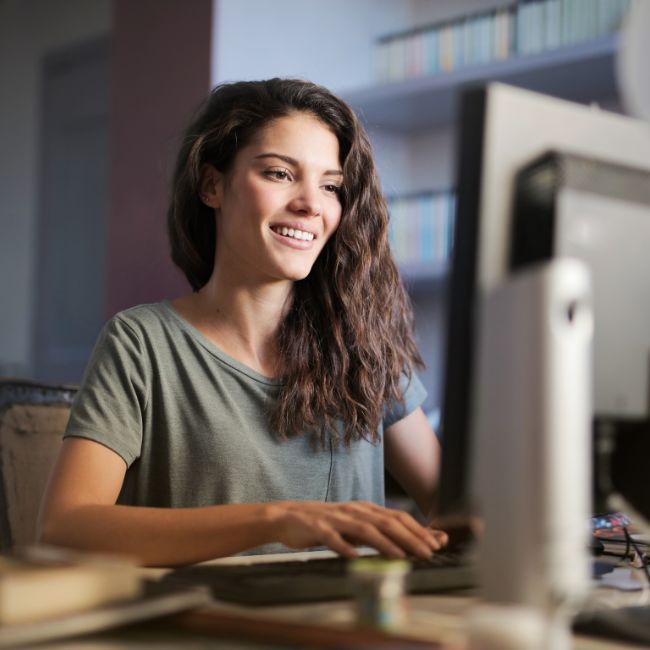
x=43 y=583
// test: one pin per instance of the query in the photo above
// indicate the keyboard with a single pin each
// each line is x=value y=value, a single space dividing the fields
x=299 y=581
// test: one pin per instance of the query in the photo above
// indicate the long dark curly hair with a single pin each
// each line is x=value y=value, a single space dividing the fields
x=346 y=343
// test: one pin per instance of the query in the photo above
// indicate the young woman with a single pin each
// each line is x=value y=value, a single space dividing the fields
x=257 y=411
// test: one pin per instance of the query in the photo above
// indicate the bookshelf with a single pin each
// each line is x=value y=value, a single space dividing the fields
x=580 y=72
x=421 y=233
x=564 y=48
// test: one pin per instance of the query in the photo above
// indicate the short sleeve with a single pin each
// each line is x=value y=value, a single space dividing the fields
x=413 y=392
x=110 y=405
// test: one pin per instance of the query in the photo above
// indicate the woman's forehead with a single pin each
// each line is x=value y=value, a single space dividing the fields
x=299 y=135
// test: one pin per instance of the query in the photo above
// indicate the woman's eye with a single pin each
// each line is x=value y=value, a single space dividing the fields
x=278 y=174
x=333 y=189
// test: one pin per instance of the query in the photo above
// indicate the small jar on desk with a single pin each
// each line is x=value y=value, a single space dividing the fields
x=380 y=592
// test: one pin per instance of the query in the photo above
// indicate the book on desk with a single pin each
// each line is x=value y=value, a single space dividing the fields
x=48 y=593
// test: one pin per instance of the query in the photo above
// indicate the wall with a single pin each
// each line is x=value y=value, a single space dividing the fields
x=328 y=43
x=28 y=30
x=161 y=61
x=161 y=72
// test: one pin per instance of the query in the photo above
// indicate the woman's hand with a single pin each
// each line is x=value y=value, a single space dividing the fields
x=341 y=526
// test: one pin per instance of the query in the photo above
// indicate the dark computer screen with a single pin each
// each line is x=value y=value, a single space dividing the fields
x=453 y=498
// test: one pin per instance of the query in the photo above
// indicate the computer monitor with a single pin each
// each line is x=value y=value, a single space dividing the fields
x=502 y=130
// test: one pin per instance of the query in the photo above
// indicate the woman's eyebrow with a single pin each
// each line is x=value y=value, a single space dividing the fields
x=292 y=161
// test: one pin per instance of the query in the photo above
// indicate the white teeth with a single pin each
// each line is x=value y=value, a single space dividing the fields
x=296 y=234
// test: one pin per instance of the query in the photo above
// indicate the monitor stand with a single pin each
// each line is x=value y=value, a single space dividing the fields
x=531 y=468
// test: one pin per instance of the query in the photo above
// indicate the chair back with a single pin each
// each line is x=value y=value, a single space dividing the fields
x=33 y=417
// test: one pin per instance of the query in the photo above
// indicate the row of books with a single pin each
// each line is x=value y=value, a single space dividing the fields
x=548 y=24
x=514 y=30
x=421 y=228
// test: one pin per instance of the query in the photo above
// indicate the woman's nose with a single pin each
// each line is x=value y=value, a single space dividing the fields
x=306 y=201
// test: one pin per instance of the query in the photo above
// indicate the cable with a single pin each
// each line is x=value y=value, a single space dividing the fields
x=642 y=558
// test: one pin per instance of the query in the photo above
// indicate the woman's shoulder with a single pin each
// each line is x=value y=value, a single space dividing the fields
x=145 y=321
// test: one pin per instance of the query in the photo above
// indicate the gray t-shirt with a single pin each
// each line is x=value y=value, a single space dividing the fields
x=192 y=423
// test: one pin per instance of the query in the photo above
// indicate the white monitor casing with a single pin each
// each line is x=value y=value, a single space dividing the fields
x=532 y=430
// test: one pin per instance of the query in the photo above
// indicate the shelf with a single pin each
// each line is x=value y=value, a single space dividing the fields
x=429 y=273
x=581 y=72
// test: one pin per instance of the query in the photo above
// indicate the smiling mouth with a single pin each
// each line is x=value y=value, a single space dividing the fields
x=293 y=233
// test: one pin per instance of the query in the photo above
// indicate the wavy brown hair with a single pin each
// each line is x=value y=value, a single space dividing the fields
x=346 y=343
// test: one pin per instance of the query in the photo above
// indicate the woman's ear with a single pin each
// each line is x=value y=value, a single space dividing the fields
x=210 y=186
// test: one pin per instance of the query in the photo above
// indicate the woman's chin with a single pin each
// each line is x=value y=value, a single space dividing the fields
x=296 y=274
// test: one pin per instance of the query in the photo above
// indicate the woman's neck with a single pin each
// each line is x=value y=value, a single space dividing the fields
x=241 y=320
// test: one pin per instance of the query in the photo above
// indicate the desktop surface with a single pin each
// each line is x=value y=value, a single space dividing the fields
x=441 y=617
x=438 y=620
x=435 y=619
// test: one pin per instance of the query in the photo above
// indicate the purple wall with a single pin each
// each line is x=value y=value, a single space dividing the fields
x=160 y=73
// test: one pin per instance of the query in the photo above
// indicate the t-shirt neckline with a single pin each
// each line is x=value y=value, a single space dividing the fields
x=215 y=350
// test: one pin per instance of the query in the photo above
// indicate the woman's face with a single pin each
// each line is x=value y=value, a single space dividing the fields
x=279 y=203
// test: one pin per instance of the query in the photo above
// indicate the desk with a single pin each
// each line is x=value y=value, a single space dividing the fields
x=436 y=618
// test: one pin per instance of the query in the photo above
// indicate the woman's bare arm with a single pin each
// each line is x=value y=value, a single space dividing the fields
x=79 y=511
x=412 y=455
